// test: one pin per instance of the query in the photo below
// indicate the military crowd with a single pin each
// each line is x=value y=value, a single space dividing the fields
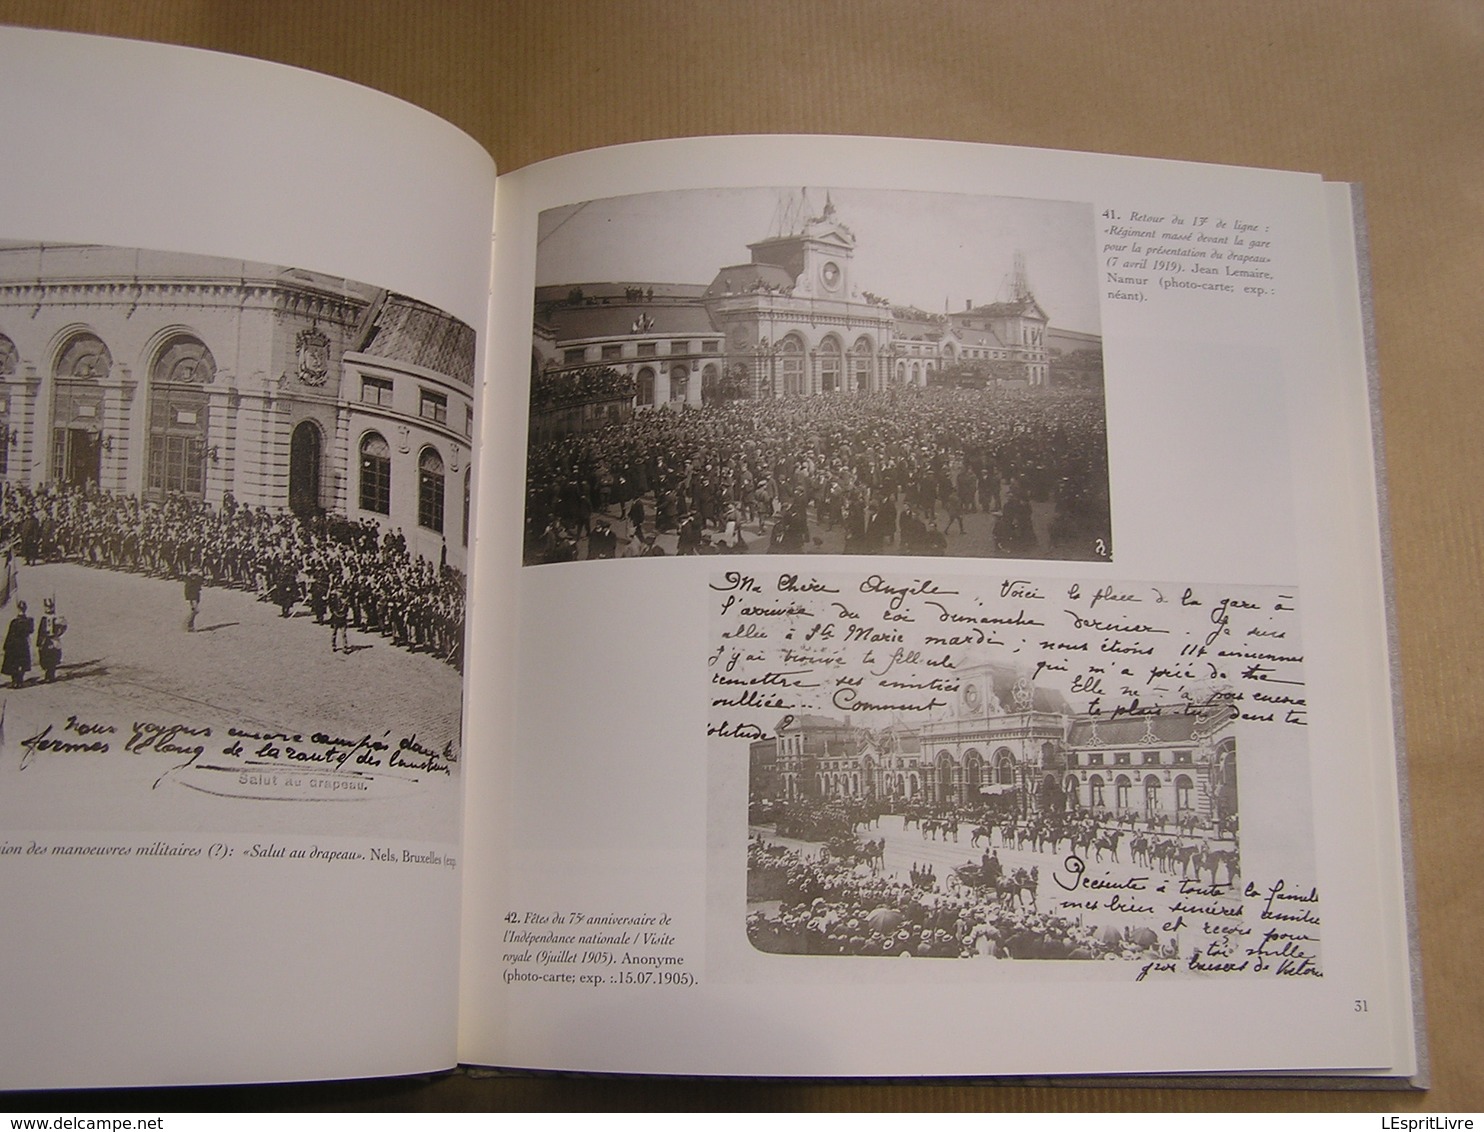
x=337 y=569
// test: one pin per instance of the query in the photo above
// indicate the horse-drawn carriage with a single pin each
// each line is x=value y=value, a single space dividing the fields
x=990 y=880
x=845 y=847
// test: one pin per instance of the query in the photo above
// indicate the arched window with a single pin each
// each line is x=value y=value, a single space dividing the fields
x=77 y=410
x=430 y=490
x=973 y=772
x=679 y=381
x=1121 y=788
x=1184 y=792
x=1095 y=792
x=861 y=358
x=1004 y=768
x=791 y=365
x=178 y=424
x=645 y=395
x=1072 y=789
x=1151 y=795
x=376 y=474
x=85 y=358
x=945 y=770
x=829 y=366
x=1224 y=780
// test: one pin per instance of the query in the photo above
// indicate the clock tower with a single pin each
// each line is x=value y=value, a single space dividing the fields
x=817 y=255
x=976 y=694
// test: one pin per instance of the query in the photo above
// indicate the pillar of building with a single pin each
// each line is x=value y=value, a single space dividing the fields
x=35 y=426
x=117 y=429
x=220 y=455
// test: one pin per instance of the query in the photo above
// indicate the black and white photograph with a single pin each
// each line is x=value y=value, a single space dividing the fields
x=817 y=370
x=234 y=523
x=959 y=769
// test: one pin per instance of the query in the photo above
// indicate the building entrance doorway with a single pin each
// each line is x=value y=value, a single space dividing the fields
x=304 y=469
x=80 y=456
x=179 y=422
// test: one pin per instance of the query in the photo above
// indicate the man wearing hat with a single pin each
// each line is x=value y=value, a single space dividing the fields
x=49 y=639
x=18 y=646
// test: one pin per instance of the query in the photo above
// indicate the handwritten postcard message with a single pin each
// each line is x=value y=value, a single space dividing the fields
x=1016 y=768
x=76 y=769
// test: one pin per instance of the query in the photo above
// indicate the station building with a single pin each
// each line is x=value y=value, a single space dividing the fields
x=792 y=320
x=155 y=374
x=1006 y=737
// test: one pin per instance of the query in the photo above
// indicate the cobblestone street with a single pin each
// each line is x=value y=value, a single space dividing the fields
x=127 y=659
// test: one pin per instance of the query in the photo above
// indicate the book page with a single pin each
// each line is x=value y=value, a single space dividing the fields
x=241 y=317
x=947 y=604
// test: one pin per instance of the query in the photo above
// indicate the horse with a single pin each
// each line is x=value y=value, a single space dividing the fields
x=1162 y=854
x=1190 y=858
x=1218 y=857
x=1138 y=850
x=1108 y=841
x=873 y=853
x=1082 y=840
x=1015 y=887
x=1047 y=837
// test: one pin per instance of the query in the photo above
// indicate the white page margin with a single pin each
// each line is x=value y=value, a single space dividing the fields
x=641 y=723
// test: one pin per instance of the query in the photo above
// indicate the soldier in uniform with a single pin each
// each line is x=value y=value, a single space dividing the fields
x=49 y=639
x=336 y=610
x=193 y=598
x=18 y=646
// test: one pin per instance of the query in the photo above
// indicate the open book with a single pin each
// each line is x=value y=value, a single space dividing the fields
x=780 y=606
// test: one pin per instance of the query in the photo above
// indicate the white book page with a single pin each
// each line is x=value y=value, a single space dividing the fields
x=230 y=832
x=723 y=812
x=1371 y=577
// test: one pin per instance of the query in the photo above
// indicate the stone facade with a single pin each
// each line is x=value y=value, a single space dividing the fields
x=152 y=374
x=792 y=321
x=1006 y=738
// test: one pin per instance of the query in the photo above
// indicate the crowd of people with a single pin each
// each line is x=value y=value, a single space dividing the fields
x=552 y=389
x=353 y=572
x=897 y=470
x=828 y=905
x=816 y=819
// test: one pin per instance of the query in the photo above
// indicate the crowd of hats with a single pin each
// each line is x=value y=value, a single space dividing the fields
x=859 y=459
x=828 y=906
